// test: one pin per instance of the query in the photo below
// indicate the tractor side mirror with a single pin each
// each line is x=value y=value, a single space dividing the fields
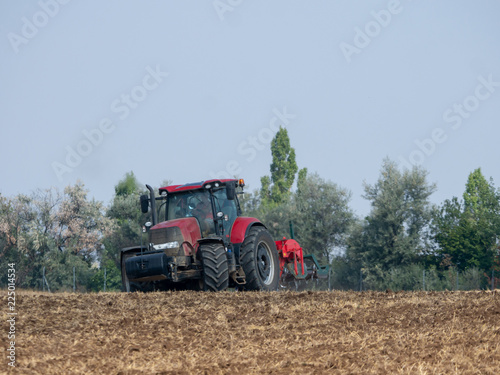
x=144 y=203
x=230 y=191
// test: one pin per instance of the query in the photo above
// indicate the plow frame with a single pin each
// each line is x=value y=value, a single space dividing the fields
x=298 y=269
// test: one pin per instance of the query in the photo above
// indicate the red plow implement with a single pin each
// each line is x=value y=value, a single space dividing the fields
x=298 y=270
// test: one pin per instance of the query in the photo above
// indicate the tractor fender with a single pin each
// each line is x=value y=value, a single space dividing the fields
x=241 y=227
x=133 y=249
x=239 y=231
x=129 y=250
x=209 y=240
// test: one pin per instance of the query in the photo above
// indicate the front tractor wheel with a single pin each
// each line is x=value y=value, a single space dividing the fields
x=259 y=259
x=215 y=271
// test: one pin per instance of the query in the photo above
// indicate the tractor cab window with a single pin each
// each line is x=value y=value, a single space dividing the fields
x=198 y=204
x=227 y=207
x=192 y=204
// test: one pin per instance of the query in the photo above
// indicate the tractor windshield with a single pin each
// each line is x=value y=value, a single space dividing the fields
x=192 y=204
x=197 y=204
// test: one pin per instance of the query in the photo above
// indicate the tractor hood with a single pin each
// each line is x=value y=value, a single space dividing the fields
x=170 y=235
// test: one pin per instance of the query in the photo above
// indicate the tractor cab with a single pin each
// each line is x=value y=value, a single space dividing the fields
x=214 y=207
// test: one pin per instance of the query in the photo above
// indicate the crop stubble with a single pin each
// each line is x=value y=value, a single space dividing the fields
x=274 y=333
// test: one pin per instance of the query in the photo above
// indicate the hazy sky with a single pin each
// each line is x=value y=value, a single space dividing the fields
x=189 y=90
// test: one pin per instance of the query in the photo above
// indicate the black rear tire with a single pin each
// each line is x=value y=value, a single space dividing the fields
x=260 y=262
x=215 y=270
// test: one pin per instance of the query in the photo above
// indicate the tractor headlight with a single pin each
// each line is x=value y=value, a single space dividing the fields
x=166 y=245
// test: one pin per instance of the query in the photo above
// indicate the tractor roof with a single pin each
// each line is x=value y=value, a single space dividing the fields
x=194 y=185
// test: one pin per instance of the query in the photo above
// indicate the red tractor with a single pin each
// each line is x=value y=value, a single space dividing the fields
x=198 y=240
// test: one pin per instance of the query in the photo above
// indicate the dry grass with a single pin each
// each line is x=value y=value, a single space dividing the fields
x=255 y=333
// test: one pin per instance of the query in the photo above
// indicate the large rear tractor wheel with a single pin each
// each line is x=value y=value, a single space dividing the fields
x=259 y=259
x=215 y=271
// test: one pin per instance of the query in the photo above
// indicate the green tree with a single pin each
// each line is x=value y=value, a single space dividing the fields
x=276 y=188
x=126 y=214
x=250 y=202
x=52 y=230
x=346 y=267
x=320 y=213
x=59 y=271
x=82 y=223
x=323 y=216
x=467 y=231
x=392 y=235
x=26 y=236
x=113 y=276
x=127 y=186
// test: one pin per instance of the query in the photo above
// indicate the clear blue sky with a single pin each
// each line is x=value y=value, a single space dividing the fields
x=186 y=90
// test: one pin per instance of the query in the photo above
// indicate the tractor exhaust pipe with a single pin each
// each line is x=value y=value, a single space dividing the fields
x=154 y=214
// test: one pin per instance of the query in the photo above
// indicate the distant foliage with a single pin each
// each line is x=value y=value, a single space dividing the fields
x=323 y=216
x=127 y=186
x=109 y=272
x=468 y=231
x=81 y=224
x=52 y=230
x=125 y=212
x=392 y=234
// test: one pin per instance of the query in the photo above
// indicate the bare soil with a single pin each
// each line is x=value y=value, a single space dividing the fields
x=256 y=333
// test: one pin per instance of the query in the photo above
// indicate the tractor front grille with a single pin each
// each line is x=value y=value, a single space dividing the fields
x=164 y=235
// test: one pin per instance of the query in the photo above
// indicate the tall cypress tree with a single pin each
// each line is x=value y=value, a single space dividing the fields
x=276 y=189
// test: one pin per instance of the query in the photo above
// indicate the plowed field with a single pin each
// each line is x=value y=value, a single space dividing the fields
x=256 y=333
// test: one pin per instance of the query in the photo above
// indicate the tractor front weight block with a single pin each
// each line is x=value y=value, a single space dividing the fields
x=159 y=266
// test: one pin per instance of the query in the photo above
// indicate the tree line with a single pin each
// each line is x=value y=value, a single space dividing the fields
x=70 y=236
x=405 y=242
